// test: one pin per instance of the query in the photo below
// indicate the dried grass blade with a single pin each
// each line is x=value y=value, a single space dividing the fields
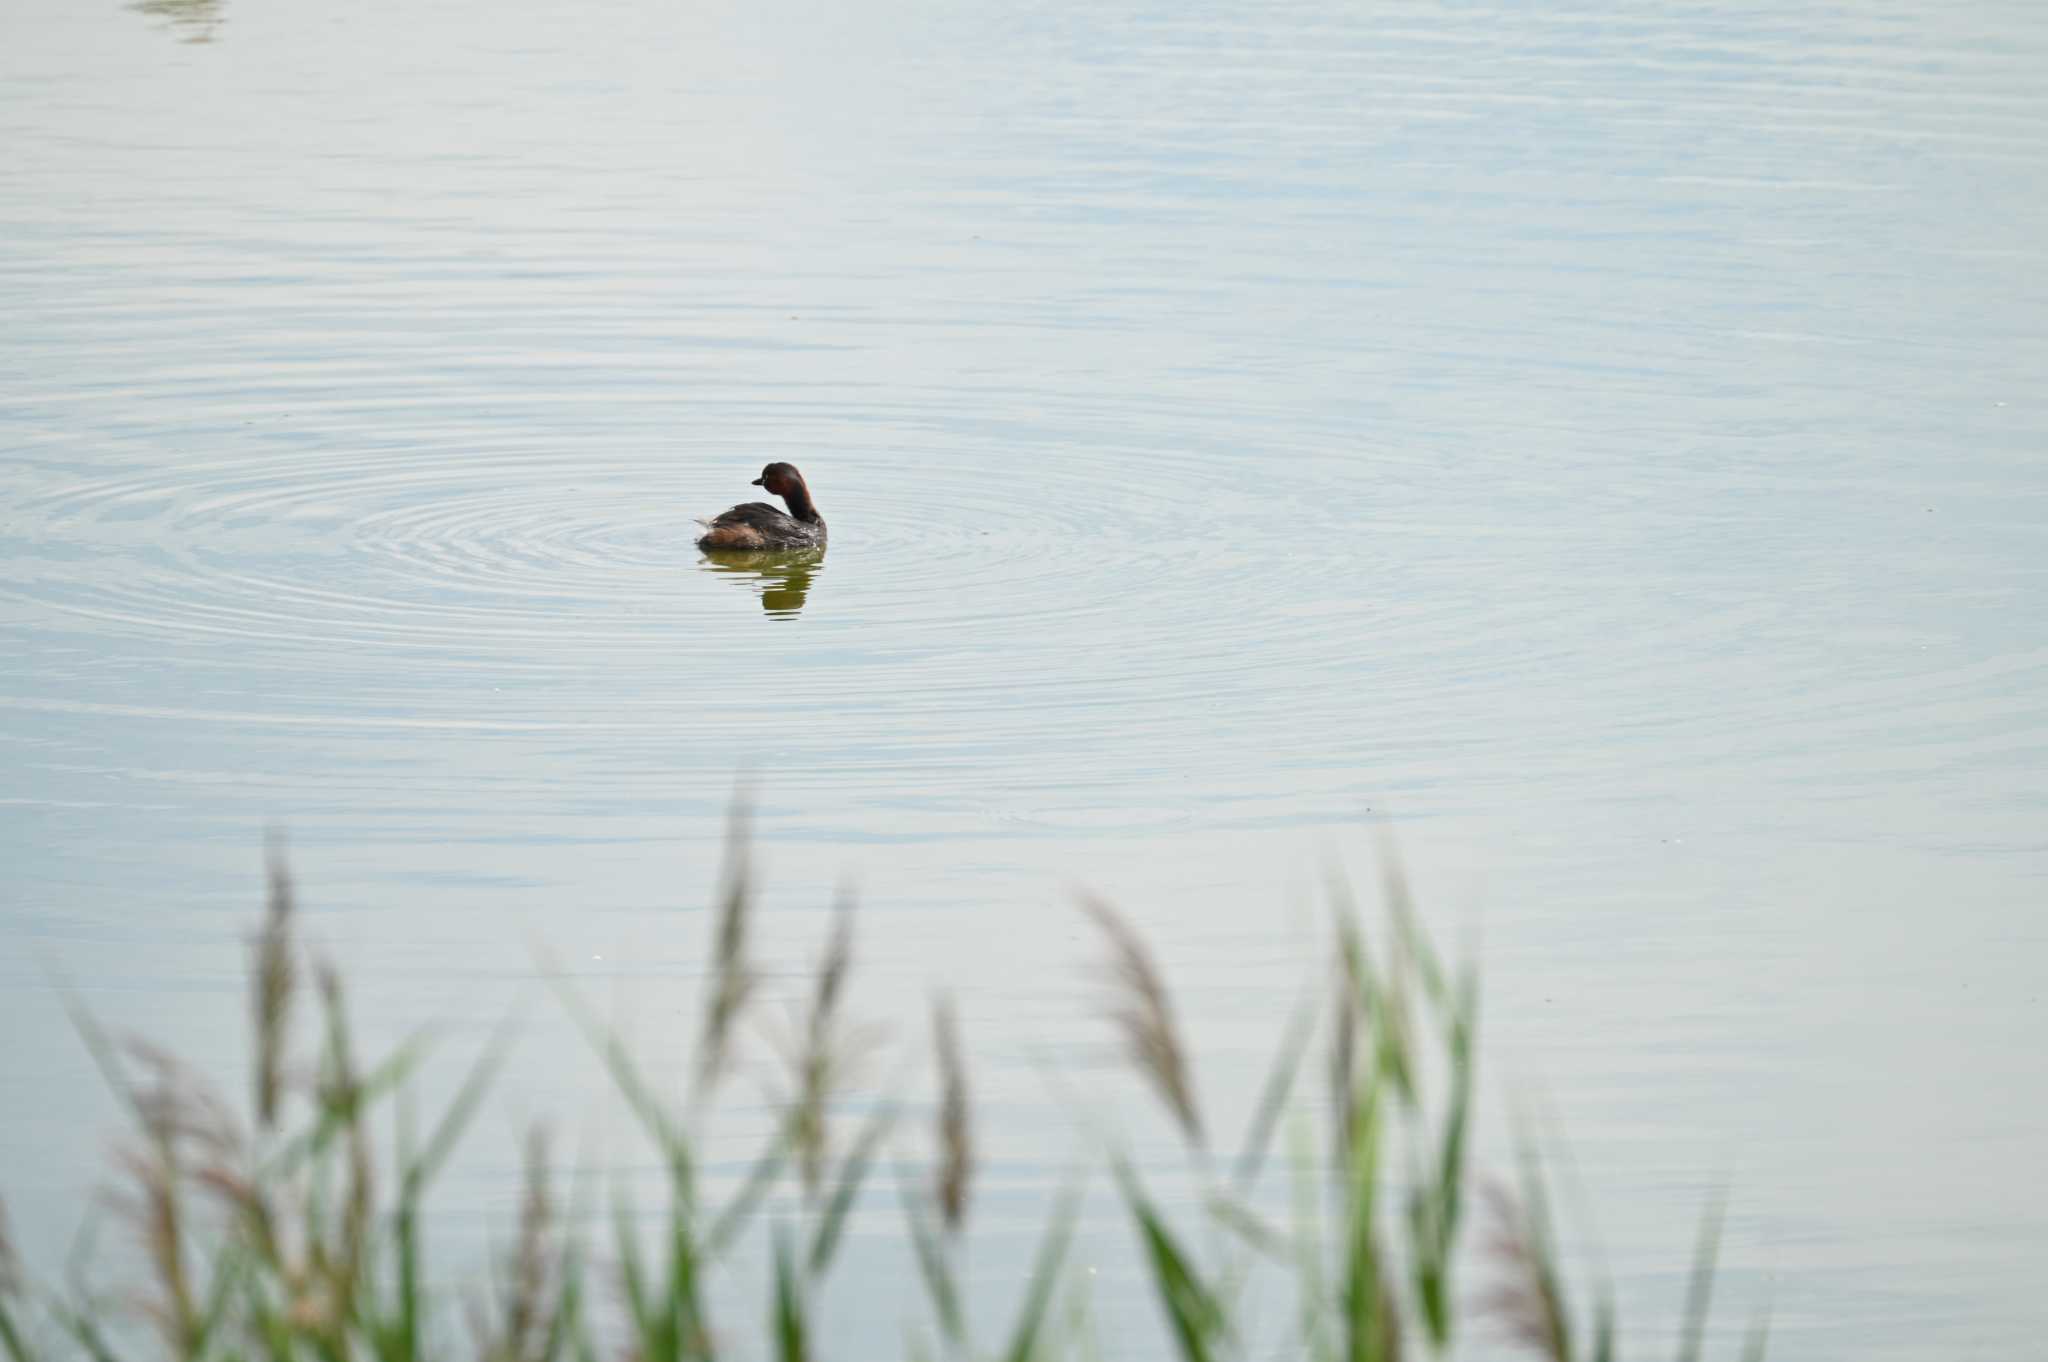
x=1529 y=1301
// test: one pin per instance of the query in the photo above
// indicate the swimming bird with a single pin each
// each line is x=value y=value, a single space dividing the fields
x=757 y=525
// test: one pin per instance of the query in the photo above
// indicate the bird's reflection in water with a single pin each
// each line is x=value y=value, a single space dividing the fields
x=194 y=21
x=782 y=578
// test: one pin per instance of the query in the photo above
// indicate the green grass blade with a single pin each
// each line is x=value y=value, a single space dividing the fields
x=338 y=1111
x=633 y=1284
x=1248 y=1225
x=448 y=1130
x=1192 y=1310
x=1758 y=1343
x=683 y=1313
x=10 y=1335
x=1273 y=1094
x=1699 y=1294
x=852 y=1172
x=747 y=1200
x=789 y=1311
x=932 y=1263
x=1414 y=942
x=1441 y=1202
x=1045 y=1276
x=106 y=1056
x=639 y=1094
x=1367 y=1325
x=81 y=1326
x=566 y=1334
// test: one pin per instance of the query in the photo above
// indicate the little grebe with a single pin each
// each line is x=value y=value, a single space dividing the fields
x=757 y=525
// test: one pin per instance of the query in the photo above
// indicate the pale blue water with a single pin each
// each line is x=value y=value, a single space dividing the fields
x=1608 y=439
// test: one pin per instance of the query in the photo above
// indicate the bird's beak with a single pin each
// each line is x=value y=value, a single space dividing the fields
x=758 y=482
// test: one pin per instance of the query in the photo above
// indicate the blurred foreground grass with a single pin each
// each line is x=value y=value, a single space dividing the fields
x=282 y=1229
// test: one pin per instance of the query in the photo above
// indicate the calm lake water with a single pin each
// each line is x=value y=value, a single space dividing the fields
x=1608 y=440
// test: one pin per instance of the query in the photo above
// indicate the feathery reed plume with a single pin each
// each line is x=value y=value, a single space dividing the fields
x=733 y=973
x=1528 y=1299
x=273 y=975
x=820 y=1058
x=1144 y=1013
x=181 y=1122
x=956 y=1140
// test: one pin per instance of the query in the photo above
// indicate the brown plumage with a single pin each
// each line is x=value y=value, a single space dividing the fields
x=757 y=525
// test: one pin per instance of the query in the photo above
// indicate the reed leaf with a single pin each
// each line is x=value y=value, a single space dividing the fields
x=733 y=978
x=1758 y=1340
x=1371 y=1327
x=1699 y=1293
x=1248 y=1225
x=789 y=1322
x=933 y=1266
x=1308 y=1250
x=767 y=1166
x=853 y=1171
x=820 y=1059
x=1045 y=1274
x=1273 y=1094
x=640 y=1096
x=13 y=1290
x=683 y=1317
x=647 y=1325
x=461 y=1110
x=1193 y=1312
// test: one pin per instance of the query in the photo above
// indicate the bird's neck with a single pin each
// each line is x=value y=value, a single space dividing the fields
x=800 y=504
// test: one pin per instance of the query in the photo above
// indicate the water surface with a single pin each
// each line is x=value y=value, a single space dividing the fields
x=1606 y=439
